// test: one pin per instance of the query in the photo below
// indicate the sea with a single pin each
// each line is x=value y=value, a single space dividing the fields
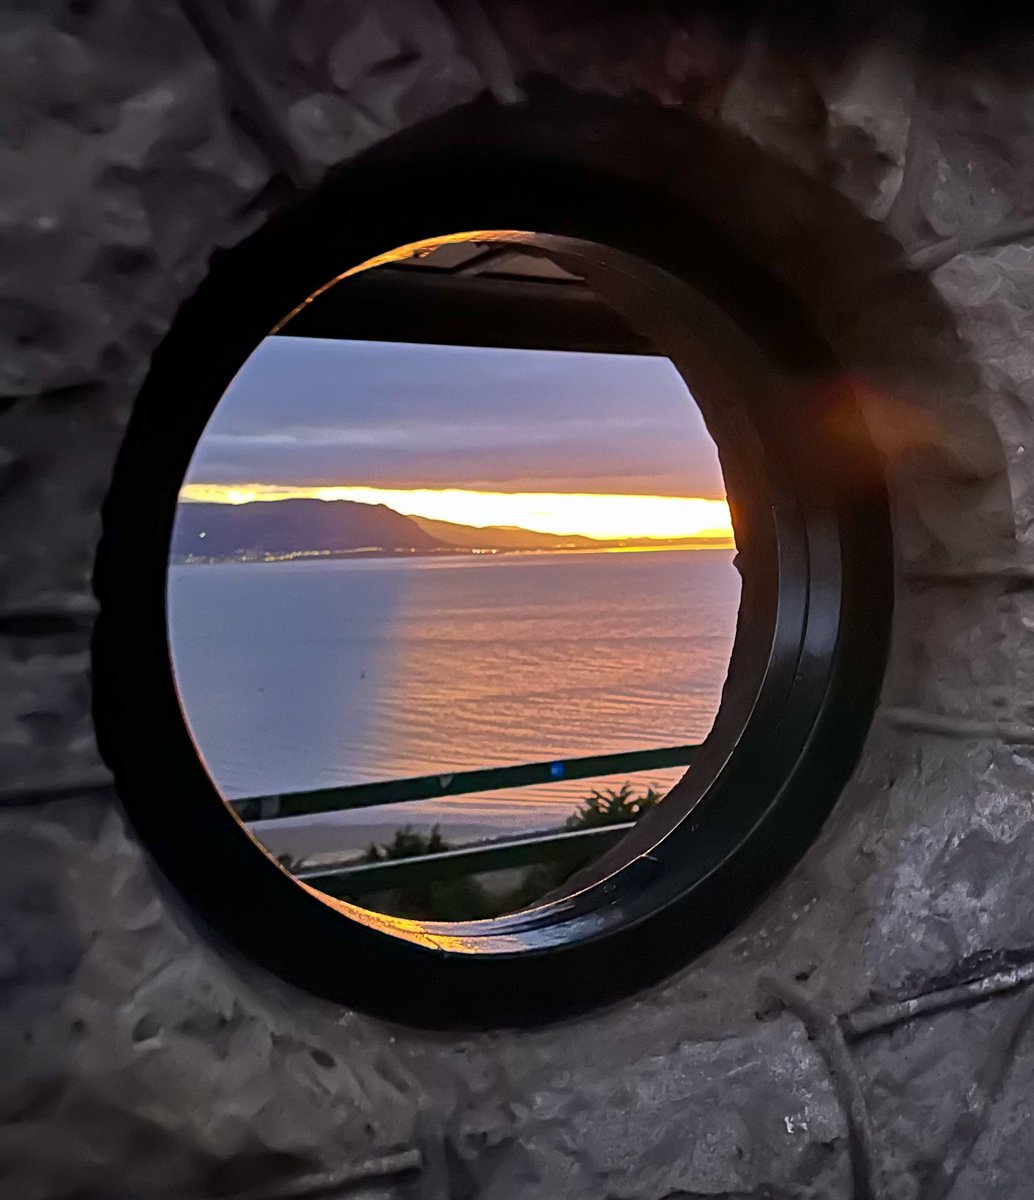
x=317 y=673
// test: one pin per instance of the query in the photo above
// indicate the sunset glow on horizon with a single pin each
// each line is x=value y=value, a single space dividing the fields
x=607 y=517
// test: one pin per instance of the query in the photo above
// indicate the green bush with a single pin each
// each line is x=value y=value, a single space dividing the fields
x=407 y=843
x=613 y=806
x=464 y=899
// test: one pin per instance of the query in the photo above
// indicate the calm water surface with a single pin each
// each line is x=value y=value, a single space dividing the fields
x=312 y=674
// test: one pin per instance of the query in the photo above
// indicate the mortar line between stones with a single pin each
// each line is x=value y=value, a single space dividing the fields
x=904 y=208
x=39 y=624
x=1011 y=733
x=27 y=797
x=832 y=1034
x=823 y=1028
x=331 y=1185
x=863 y=1022
x=979 y=573
x=928 y=258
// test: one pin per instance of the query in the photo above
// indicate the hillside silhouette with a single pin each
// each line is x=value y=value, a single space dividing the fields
x=287 y=528
x=283 y=527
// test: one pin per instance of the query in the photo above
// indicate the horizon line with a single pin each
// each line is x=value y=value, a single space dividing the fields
x=602 y=516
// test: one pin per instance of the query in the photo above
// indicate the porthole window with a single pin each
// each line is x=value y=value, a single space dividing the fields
x=486 y=618
x=408 y=576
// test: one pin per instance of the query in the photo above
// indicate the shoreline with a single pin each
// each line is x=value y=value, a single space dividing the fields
x=450 y=552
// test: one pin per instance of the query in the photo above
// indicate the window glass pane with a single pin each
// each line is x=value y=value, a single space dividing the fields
x=400 y=560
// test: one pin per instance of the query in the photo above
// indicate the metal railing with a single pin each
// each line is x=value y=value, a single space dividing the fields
x=564 y=848
x=568 y=849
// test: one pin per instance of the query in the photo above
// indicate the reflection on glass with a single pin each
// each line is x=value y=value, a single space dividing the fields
x=397 y=560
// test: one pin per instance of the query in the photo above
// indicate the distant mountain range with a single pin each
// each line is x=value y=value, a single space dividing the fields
x=277 y=528
x=500 y=537
x=281 y=529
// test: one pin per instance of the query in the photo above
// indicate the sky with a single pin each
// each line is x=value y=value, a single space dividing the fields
x=602 y=444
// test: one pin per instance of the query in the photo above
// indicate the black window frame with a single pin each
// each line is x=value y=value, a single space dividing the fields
x=810 y=510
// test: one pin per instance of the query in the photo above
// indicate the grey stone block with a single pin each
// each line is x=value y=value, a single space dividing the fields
x=976 y=155
x=739 y=1116
x=955 y=880
x=141 y=1057
x=138 y=1061
x=932 y=1087
x=120 y=169
x=992 y=293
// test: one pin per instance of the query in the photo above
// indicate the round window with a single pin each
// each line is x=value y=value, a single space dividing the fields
x=491 y=611
x=497 y=593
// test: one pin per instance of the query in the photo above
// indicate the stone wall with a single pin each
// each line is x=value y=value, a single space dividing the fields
x=141 y=1058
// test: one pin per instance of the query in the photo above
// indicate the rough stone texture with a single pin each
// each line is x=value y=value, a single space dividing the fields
x=140 y=1058
x=621 y=49
x=954 y=881
x=982 y=628
x=114 y=119
x=973 y=164
x=149 y=1066
x=845 y=120
x=54 y=442
x=46 y=734
x=993 y=293
x=697 y=1117
x=930 y=1086
x=868 y=105
x=1001 y=1162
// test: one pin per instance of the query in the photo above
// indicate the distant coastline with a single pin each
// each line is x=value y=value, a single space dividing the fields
x=192 y=560
x=315 y=530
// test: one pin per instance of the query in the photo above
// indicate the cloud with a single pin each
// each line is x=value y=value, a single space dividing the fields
x=321 y=412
